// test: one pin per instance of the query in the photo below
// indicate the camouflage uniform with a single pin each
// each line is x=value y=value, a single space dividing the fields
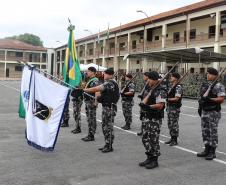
x=152 y=125
x=210 y=119
x=145 y=93
x=66 y=114
x=90 y=107
x=109 y=109
x=77 y=104
x=127 y=104
x=173 y=113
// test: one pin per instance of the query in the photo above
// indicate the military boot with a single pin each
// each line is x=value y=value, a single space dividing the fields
x=211 y=154
x=169 y=141
x=88 y=138
x=76 y=131
x=65 y=123
x=107 y=148
x=102 y=147
x=126 y=126
x=173 y=141
x=205 y=152
x=147 y=161
x=153 y=163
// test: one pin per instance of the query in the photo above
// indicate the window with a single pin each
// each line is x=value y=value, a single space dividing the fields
x=58 y=56
x=112 y=45
x=156 y=37
x=80 y=53
x=19 y=54
x=122 y=46
x=137 y=70
x=138 y=62
x=202 y=70
x=212 y=31
x=149 y=34
x=101 y=49
x=91 y=51
x=63 y=55
x=193 y=34
x=176 y=37
x=18 y=68
x=43 y=56
x=134 y=44
x=192 y=70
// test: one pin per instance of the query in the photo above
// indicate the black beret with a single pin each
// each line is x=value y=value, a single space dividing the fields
x=212 y=71
x=146 y=74
x=109 y=71
x=176 y=75
x=153 y=75
x=129 y=76
x=93 y=69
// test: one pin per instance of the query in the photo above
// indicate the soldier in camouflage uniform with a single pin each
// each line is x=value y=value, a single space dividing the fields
x=127 y=101
x=142 y=96
x=90 y=105
x=77 y=100
x=109 y=96
x=173 y=108
x=66 y=114
x=153 y=108
x=210 y=112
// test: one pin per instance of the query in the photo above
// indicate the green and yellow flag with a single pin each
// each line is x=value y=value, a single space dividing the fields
x=71 y=70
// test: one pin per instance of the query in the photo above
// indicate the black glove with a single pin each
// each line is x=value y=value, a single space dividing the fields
x=140 y=96
x=77 y=92
x=145 y=107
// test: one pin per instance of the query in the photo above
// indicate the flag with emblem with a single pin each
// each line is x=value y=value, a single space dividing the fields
x=71 y=70
x=24 y=92
x=46 y=104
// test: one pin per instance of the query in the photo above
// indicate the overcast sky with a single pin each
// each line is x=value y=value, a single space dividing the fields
x=48 y=18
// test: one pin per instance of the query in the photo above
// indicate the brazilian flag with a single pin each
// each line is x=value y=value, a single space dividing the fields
x=71 y=71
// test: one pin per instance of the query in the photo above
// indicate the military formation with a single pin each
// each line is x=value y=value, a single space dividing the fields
x=155 y=98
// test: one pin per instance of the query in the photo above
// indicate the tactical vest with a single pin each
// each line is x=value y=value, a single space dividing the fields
x=108 y=97
x=88 y=85
x=157 y=114
x=209 y=106
x=127 y=97
x=176 y=104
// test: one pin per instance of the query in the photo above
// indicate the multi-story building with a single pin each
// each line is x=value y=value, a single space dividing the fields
x=202 y=25
x=12 y=51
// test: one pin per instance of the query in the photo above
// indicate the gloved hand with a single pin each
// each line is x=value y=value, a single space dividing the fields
x=77 y=92
x=145 y=107
x=140 y=96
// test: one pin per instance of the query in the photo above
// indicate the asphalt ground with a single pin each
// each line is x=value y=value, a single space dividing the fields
x=76 y=162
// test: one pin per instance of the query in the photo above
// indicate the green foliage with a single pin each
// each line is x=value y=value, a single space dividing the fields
x=28 y=38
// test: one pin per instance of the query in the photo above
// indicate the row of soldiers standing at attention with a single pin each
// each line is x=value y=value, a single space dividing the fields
x=154 y=99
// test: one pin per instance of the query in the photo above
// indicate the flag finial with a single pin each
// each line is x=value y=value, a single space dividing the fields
x=70 y=27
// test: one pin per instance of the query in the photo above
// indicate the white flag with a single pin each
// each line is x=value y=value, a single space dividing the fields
x=45 y=111
x=24 y=91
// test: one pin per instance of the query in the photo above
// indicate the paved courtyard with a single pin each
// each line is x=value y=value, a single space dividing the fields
x=75 y=162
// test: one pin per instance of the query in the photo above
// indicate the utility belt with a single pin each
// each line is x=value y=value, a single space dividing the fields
x=156 y=114
x=174 y=105
x=212 y=108
x=127 y=98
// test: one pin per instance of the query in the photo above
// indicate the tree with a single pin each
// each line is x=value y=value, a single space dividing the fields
x=28 y=38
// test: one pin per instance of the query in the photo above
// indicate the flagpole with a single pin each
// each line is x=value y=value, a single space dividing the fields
x=30 y=66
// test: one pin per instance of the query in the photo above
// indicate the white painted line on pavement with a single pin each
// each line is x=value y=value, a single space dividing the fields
x=178 y=147
x=5 y=85
x=194 y=116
